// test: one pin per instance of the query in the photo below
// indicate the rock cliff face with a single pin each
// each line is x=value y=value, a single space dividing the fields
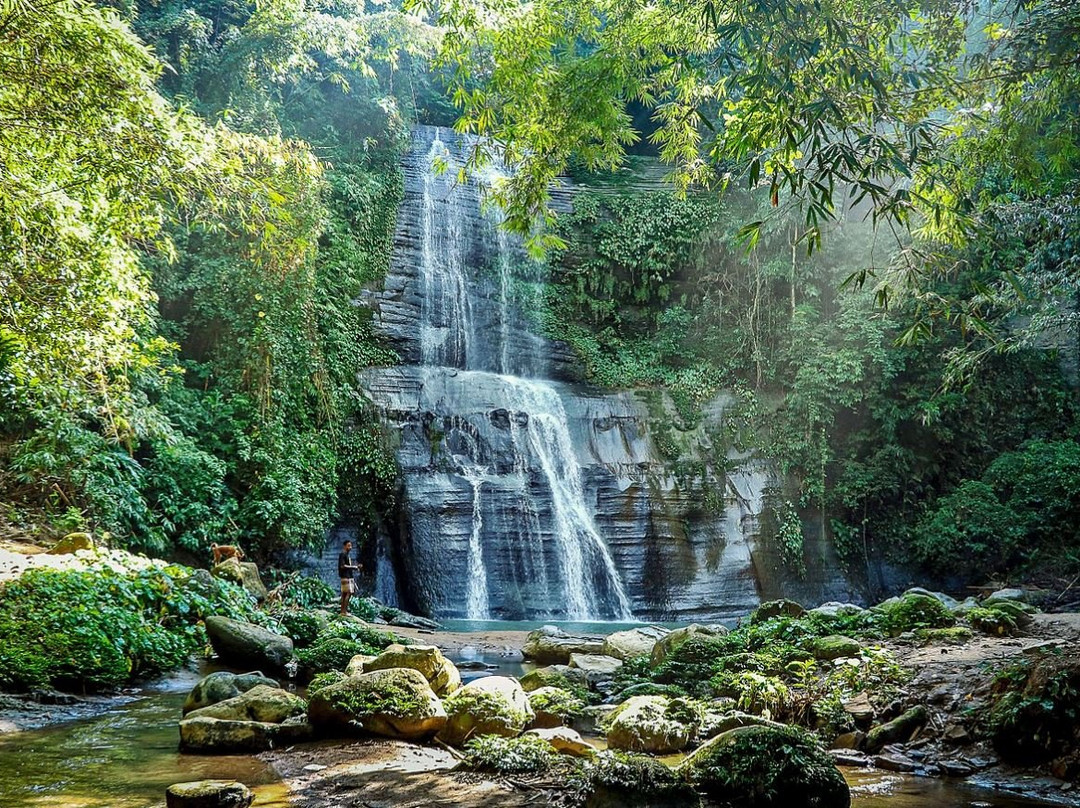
x=526 y=493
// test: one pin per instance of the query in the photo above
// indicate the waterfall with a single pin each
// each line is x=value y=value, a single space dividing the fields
x=476 y=605
x=468 y=325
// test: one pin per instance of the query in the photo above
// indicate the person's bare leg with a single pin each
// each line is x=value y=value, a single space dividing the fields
x=345 y=603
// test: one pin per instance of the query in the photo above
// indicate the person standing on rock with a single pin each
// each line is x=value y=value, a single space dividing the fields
x=346 y=570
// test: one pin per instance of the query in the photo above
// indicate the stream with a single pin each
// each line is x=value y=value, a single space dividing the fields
x=126 y=757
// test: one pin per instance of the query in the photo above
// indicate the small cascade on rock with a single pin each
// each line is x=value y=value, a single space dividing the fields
x=476 y=603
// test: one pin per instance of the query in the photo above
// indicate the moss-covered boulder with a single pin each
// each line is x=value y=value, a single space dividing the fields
x=597 y=667
x=674 y=640
x=395 y=703
x=767 y=767
x=553 y=707
x=913 y=610
x=562 y=676
x=358 y=663
x=494 y=705
x=223 y=685
x=247 y=645
x=777 y=608
x=209 y=794
x=553 y=646
x=619 y=780
x=635 y=642
x=265 y=703
x=204 y=734
x=73 y=543
x=440 y=672
x=835 y=646
x=653 y=724
x=900 y=729
x=242 y=573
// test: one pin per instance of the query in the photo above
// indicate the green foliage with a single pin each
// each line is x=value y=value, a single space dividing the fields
x=302 y=627
x=331 y=654
x=526 y=754
x=341 y=640
x=1023 y=509
x=1036 y=705
x=325 y=679
x=559 y=702
x=385 y=696
x=107 y=625
x=305 y=592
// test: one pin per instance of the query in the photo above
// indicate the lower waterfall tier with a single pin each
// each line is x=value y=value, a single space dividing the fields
x=560 y=497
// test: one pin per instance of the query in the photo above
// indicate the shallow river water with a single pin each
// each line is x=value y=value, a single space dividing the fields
x=127 y=757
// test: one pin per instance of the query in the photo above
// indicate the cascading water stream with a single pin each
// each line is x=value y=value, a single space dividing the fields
x=451 y=341
x=476 y=605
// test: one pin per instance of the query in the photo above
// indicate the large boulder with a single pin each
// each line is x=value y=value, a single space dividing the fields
x=263 y=703
x=440 y=672
x=223 y=685
x=835 y=646
x=766 y=767
x=673 y=641
x=899 y=730
x=73 y=543
x=597 y=667
x=634 y=642
x=777 y=608
x=562 y=676
x=836 y=609
x=654 y=724
x=617 y=780
x=494 y=705
x=247 y=645
x=209 y=794
x=396 y=703
x=553 y=646
x=242 y=573
x=204 y=734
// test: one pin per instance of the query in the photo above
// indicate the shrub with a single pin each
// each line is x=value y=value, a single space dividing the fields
x=526 y=754
x=302 y=627
x=306 y=592
x=767 y=766
x=331 y=654
x=1036 y=709
x=321 y=680
x=104 y=626
x=558 y=702
x=970 y=532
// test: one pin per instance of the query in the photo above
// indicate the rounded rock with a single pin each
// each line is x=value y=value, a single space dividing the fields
x=209 y=794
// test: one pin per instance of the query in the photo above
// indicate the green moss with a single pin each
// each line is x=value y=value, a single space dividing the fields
x=321 y=680
x=385 y=697
x=616 y=778
x=526 y=754
x=483 y=706
x=561 y=703
x=914 y=611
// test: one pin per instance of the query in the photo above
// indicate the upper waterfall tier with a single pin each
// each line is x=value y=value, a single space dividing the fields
x=449 y=297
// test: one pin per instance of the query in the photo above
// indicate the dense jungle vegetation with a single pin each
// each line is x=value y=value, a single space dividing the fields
x=872 y=238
